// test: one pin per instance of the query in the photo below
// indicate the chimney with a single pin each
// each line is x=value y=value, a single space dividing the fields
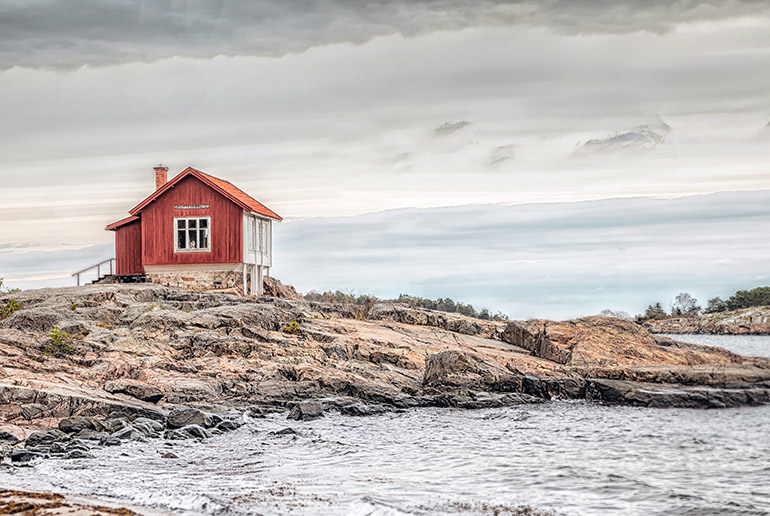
x=161 y=176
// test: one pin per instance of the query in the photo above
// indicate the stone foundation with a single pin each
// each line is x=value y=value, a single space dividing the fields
x=199 y=280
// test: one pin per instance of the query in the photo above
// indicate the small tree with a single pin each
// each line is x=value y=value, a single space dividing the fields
x=715 y=304
x=60 y=343
x=655 y=311
x=685 y=305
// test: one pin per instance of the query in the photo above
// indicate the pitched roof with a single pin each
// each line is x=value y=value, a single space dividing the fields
x=121 y=222
x=223 y=187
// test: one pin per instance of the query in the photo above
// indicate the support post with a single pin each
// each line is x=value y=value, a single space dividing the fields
x=253 y=290
x=244 y=280
x=260 y=281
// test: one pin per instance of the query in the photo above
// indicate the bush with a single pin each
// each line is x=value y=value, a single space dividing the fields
x=60 y=343
x=10 y=306
x=292 y=328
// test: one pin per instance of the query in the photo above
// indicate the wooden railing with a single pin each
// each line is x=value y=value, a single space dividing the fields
x=98 y=268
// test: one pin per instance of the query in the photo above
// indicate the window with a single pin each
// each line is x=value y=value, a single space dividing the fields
x=250 y=232
x=192 y=234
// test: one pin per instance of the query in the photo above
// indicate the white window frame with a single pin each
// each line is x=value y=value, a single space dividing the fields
x=177 y=249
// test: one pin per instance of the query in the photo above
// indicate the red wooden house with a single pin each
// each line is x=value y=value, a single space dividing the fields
x=196 y=231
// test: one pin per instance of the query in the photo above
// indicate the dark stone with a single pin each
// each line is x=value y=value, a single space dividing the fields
x=22 y=455
x=285 y=431
x=212 y=420
x=109 y=441
x=91 y=435
x=75 y=424
x=8 y=438
x=32 y=411
x=77 y=444
x=184 y=416
x=46 y=438
x=229 y=424
x=306 y=411
x=78 y=454
x=169 y=455
x=664 y=396
x=135 y=389
x=125 y=433
x=187 y=432
x=114 y=424
x=360 y=409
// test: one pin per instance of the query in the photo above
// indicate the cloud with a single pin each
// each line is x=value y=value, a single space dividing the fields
x=502 y=154
x=554 y=260
x=451 y=127
x=642 y=137
x=72 y=33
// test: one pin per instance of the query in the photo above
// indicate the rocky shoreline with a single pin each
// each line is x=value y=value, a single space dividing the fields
x=147 y=361
x=747 y=321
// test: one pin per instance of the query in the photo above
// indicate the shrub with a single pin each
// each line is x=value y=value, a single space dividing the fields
x=60 y=343
x=10 y=306
x=292 y=328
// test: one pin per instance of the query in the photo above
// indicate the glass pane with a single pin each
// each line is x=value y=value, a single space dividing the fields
x=180 y=224
x=192 y=223
x=204 y=223
x=180 y=244
x=204 y=238
x=192 y=236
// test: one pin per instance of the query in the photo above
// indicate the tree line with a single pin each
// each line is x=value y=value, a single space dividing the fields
x=442 y=304
x=685 y=305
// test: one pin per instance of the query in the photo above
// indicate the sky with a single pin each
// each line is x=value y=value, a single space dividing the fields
x=406 y=143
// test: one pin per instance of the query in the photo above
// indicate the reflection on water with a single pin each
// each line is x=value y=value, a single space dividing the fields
x=574 y=457
x=748 y=345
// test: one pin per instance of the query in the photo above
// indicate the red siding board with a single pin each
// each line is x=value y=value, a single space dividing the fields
x=128 y=249
x=158 y=225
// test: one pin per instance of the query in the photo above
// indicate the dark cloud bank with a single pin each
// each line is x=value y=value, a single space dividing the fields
x=72 y=33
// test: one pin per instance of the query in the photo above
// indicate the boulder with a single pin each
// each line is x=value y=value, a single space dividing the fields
x=23 y=455
x=187 y=432
x=274 y=288
x=78 y=454
x=184 y=416
x=134 y=388
x=46 y=438
x=91 y=435
x=8 y=438
x=75 y=424
x=306 y=411
x=361 y=409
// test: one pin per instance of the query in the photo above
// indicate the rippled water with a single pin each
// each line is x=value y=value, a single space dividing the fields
x=748 y=345
x=573 y=457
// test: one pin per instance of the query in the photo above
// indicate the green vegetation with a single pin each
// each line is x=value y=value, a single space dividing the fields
x=10 y=306
x=440 y=304
x=292 y=328
x=60 y=343
x=685 y=305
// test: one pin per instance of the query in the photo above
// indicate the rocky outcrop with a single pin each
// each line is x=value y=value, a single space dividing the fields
x=747 y=321
x=274 y=288
x=141 y=351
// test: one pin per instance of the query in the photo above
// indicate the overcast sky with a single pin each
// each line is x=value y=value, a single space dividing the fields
x=339 y=108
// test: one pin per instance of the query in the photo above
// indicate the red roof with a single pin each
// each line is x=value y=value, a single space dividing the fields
x=121 y=222
x=225 y=188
